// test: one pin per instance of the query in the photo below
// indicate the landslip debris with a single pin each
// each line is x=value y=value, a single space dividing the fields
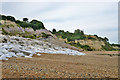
x=12 y=46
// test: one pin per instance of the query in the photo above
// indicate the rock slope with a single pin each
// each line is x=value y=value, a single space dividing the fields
x=12 y=46
x=11 y=28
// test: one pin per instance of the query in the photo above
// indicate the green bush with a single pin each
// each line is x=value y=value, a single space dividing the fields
x=77 y=35
x=4 y=32
x=11 y=18
x=45 y=35
x=84 y=47
x=89 y=37
x=107 y=47
x=33 y=24
x=37 y=24
x=118 y=45
x=54 y=31
x=0 y=25
x=29 y=36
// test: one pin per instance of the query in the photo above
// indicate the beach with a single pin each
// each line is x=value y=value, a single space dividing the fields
x=90 y=65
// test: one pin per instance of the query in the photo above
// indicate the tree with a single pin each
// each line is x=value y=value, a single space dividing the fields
x=37 y=24
x=61 y=31
x=54 y=31
x=3 y=17
x=25 y=19
x=96 y=35
x=78 y=32
x=82 y=32
x=11 y=18
x=106 y=39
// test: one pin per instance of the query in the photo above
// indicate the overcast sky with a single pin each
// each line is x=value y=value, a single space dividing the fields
x=99 y=18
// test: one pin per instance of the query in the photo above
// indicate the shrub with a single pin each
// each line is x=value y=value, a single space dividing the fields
x=54 y=31
x=107 y=47
x=87 y=47
x=45 y=35
x=89 y=37
x=11 y=18
x=37 y=24
x=78 y=45
x=4 y=32
x=25 y=19
x=29 y=36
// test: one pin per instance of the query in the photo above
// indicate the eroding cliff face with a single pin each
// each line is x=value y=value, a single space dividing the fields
x=12 y=29
x=12 y=46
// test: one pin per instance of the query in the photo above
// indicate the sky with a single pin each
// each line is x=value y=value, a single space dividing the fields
x=99 y=18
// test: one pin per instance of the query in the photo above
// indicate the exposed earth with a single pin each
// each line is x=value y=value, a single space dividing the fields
x=90 y=65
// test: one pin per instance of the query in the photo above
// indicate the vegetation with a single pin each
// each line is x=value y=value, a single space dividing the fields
x=107 y=47
x=84 y=47
x=79 y=35
x=25 y=19
x=0 y=25
x=10 y=18
x=29 y=36
x=3 y=17
x=45 y=35
x=4 y=32
x=34 y=36
x=118 y=45
x=54 y=31
x=35 y=24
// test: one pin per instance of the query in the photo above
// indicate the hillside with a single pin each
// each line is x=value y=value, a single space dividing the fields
x=13 y=29
x=86 y=42
x=35 y=30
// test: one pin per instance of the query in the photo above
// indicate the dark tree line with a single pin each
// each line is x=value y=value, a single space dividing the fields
x=77 y=35
x=3 y=17
x=35 y=24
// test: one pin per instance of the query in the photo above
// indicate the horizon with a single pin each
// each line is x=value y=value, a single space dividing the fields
x=82 y=15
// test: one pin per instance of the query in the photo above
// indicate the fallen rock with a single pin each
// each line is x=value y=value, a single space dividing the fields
x=25 y=47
